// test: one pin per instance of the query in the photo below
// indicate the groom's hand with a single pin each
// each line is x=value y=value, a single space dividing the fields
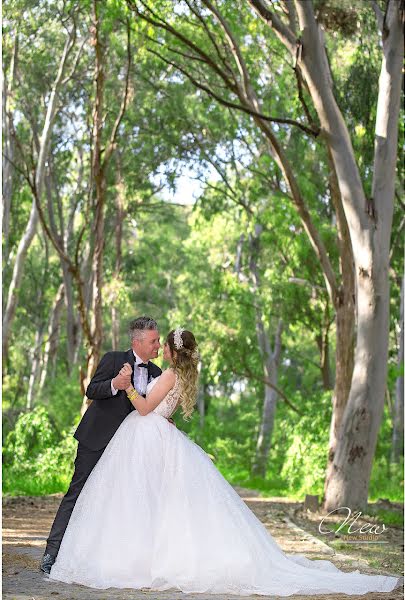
x=123 y=380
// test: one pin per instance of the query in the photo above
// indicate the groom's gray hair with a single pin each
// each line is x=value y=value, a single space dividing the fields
x=139 y=325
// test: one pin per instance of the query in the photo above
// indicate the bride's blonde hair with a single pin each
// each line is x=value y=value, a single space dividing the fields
x=185 y=364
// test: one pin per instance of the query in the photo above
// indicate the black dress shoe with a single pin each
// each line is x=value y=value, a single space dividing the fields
x=47 y=562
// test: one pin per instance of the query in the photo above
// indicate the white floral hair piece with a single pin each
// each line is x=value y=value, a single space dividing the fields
x=178 y=341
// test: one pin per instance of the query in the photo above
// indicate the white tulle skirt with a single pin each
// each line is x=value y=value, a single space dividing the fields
x=156 y=513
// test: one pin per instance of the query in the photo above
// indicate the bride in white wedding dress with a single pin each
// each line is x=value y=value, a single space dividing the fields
x=156 y=513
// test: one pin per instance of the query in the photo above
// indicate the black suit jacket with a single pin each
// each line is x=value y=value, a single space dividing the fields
x=106 y=413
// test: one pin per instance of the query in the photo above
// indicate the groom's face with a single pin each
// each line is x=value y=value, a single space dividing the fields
x=147 y=347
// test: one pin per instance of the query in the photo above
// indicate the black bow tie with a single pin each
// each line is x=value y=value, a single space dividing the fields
x=142 y=365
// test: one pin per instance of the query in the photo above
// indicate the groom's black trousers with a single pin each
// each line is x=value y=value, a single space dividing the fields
x=85 y=462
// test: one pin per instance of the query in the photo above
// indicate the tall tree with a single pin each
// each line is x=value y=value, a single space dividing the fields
x=102 y=151
x=271 y=358
x=37 y=180
x=8 y=84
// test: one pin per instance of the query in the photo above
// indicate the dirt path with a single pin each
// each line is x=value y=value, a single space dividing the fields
x=26 y=523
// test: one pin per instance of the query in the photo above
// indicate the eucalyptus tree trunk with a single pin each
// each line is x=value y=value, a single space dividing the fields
x=86 y=274
x=202 y=391
x=9 y=147
x=98 y=176
x=356 y=422
x=63 y=233
x=51 y=344
x=397 y=448
x=101 y=156
x=270 y=360
x=30 y=230
x=72 y=324
x=345 y=319
x=201 y=407
x=119 y=221
x=322 y=341
x=369 y=222
x=12 y=296
x=35 y=363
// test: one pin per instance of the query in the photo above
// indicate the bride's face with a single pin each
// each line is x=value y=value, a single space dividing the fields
x=167 y=355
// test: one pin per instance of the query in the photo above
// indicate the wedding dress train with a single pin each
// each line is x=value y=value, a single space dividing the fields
x=156 y=513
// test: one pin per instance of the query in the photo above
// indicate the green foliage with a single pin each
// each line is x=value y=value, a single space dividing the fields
x=297 y=460
x=387 y=480
x=36 y=460
x=392 y=518
x=305 y=458
x=63 y=400
x=33 y=432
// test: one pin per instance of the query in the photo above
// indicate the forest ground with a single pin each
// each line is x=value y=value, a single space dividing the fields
x=26 y=523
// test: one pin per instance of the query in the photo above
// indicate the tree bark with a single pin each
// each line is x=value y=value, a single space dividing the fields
x=270 y=360
x=63 y=235
x=397 y=448
x=322 y=340
x=72 y=324
x=9 y=146
x=74 y=329
x=119 y=220
x=345 y=318
x=51 y=344
x=270 y=369
x=202 y=392
x=35 y=362
x=201 y=406
x=18 y=269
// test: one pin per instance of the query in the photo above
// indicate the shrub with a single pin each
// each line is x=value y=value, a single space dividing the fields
x=37 y=459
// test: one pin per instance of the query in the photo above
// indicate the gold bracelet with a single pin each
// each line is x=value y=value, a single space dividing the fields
x=132 y=395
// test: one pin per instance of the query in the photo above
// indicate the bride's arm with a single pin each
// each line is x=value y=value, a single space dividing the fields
x=145 y=405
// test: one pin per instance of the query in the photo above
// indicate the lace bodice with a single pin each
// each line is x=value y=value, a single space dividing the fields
x=169 y=403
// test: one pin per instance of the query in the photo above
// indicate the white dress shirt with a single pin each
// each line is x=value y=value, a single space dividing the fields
x=139 y=377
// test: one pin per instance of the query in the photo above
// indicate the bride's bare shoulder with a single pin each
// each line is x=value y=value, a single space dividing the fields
x=168 y=376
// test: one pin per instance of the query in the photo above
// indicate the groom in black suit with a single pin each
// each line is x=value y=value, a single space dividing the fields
x=110 y=405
